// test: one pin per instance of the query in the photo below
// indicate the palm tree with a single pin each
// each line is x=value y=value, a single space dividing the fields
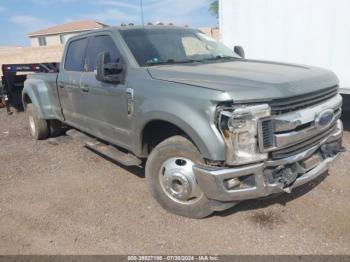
x=214 y=8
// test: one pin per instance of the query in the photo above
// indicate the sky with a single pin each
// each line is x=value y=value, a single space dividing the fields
x=20 y=17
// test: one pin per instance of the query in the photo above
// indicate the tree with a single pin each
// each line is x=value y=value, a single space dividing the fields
x=214 y=8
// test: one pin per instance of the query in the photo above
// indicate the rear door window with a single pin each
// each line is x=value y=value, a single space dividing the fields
x=97 y=45
x=75 y=55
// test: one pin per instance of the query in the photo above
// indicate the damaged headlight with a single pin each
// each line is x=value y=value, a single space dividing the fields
x=239 y=127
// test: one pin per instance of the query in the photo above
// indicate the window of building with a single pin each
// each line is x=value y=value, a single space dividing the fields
x=42 y=40
x=75 y=55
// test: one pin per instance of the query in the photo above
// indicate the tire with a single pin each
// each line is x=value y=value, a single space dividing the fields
x=176 y=153
x=39 y=128
x=55 y=128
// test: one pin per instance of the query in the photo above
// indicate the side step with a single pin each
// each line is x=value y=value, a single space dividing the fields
x=108 y=151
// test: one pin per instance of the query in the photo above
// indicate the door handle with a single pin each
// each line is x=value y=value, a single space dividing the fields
x=60 y=84
x=85 y=88
x=130 y=101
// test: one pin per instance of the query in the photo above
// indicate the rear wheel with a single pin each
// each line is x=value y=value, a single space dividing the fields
x=38 y=128
x=55 y=128
x=172 y=181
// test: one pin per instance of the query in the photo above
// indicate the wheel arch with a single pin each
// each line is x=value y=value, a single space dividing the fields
x=178 y=126
x=156 y=131
x=26 y=100
x=28 y=96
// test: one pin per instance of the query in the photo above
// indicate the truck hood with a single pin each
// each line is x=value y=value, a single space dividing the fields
x=248 y=79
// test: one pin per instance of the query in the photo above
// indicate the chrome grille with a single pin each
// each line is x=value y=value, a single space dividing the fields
x=300 y=147
x=267 y=133
x=290 y=128
x=285 y=105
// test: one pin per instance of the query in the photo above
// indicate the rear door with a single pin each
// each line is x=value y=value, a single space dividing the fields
x=105 y=104
x=69 y=83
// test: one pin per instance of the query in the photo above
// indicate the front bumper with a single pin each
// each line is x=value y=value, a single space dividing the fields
x=262 y=181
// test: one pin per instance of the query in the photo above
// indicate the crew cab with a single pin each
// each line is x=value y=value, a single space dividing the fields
x=212 y=127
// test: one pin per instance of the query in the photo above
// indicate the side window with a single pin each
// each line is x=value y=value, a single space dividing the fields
x=97 y=45
x=75 y=55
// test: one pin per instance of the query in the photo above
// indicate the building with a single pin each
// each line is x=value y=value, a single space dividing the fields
x=213 y=32
x=47 y=45
x=313 y=32
x=59 y=34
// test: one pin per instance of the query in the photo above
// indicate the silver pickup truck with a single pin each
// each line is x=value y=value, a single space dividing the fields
x=214 y=127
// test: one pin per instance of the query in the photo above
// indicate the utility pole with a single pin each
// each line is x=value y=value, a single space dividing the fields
x=141 y=5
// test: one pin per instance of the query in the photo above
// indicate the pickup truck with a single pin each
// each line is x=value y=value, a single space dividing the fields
x=211 y=127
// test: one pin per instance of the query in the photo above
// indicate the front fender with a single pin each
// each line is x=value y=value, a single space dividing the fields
x=197 y=125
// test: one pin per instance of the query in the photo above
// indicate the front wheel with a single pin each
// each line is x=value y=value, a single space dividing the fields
x=171 y=179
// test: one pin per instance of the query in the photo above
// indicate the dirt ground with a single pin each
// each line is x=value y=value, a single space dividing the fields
x=57 y=197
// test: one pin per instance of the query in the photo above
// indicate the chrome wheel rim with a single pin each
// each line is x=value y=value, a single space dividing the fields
x=178 y=181
x=31 y=125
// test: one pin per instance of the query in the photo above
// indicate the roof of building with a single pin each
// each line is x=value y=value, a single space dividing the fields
x=69 y=27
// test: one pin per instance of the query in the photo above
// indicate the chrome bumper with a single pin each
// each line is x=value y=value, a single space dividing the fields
x=213 y=181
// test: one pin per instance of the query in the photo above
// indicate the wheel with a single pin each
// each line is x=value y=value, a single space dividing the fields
x=39 y=128
x=55 y=128
x=171 y=179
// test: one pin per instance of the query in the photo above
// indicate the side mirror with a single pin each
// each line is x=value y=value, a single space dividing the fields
x=107 y=71
x=239 y=51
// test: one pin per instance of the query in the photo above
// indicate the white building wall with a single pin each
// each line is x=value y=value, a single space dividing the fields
x=52 y=40
x=312 y=32
x=34 y=42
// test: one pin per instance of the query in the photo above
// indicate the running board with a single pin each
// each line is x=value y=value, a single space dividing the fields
x=108 y=151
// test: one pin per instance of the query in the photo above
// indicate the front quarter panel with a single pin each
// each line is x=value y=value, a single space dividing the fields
x=190 y=108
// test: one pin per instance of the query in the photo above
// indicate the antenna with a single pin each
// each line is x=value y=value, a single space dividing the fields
x=141 y=6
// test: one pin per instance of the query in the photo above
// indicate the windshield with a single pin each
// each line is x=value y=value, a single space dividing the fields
x=167 y=46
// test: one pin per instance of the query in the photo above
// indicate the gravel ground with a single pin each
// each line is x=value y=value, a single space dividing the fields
x=57 y=197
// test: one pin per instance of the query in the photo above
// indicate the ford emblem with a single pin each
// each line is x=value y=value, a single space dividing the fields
x=325 y=118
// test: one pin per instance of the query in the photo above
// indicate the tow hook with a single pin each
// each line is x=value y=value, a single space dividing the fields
x=287 y=176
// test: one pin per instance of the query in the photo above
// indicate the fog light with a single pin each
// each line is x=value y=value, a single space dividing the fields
x=232 y=183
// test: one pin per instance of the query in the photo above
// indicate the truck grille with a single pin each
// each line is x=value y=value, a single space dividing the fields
x=291 y=133
x=300 y=147
x=267 y=133
x=285 y=105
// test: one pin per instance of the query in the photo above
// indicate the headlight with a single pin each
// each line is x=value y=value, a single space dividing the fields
x=239 y=128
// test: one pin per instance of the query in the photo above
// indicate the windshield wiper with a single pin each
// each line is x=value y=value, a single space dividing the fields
x=171 y=61
x=220 y=58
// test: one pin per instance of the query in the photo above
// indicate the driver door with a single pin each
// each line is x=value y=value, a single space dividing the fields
x=105 y=104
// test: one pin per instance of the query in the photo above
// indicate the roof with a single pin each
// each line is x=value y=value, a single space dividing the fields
x=160 y=27
x=76 y=26
x=130 y=28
